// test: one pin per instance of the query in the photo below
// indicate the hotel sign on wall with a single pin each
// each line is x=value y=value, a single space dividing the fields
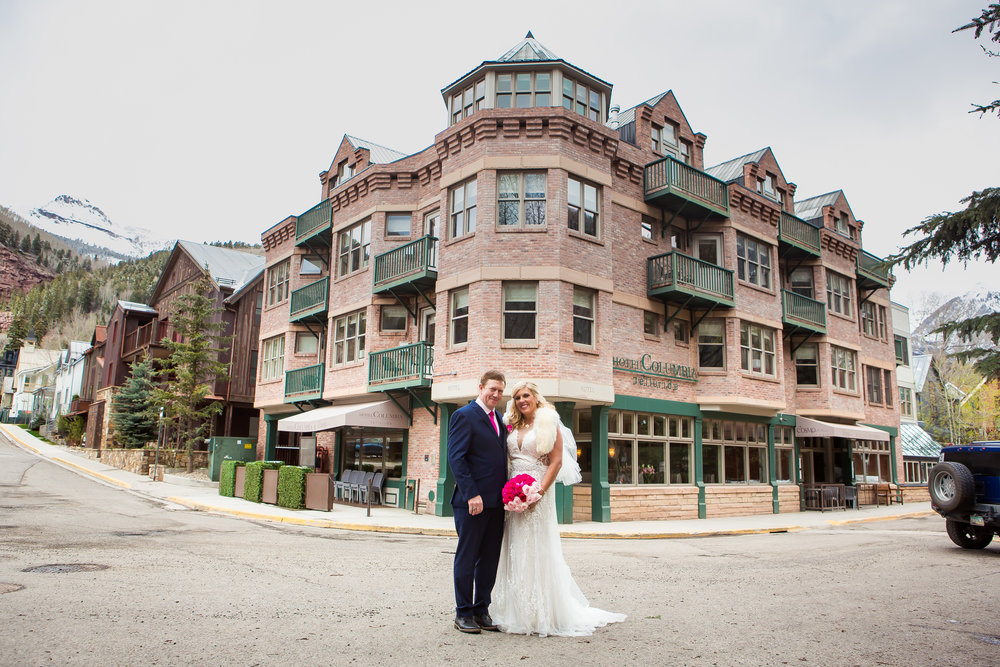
x=653 y=373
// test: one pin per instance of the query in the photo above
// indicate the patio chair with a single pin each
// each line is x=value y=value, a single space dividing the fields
x=377 y=481
x=851 y=497
x=361 y=482
x=341 y=485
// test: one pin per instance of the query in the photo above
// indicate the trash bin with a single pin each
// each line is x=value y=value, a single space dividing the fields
x=221 y=449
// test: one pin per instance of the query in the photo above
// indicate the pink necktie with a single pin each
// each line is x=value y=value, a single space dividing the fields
x=493 y=420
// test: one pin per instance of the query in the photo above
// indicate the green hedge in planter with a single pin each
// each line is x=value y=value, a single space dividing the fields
x=227 y=477
x=292 y=486
x=255 y=477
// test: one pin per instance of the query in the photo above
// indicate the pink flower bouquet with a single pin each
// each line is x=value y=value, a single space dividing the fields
x=520 y=493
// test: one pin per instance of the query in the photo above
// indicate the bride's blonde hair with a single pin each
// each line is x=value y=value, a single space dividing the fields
x=512 y=415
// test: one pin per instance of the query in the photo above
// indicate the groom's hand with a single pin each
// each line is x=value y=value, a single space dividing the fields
x=476 y=505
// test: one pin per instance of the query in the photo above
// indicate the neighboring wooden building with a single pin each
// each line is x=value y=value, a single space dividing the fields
x=93 y=372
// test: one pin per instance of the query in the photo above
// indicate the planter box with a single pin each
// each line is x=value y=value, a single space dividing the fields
x=319 y=491
x=269 y=487
x=239 y=481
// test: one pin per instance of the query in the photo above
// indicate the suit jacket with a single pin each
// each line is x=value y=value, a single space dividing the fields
x=477 y=456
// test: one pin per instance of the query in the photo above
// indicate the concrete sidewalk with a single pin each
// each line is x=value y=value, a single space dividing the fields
x=204 y=496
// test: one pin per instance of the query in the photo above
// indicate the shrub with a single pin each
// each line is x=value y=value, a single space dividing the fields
x=292 y=486
x=227 y=477
x=255 y=477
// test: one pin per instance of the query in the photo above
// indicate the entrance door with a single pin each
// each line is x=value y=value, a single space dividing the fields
x=427 y=325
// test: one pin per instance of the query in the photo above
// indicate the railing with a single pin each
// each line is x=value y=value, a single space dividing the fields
x=799 y=231
x=79 y=405
x=313 y=219
x=301 y=381
x=674 y=269
x=671 y=174
x=413 y=257
x=873 y=267
x=411 y=364
x=310 y=297
x=803 y=309
x=141 y=337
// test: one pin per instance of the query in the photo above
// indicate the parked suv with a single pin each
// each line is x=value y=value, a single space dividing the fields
x=965 y=489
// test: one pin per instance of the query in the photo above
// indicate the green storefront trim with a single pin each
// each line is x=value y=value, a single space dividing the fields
x=446 y=481
x=564 y=494
x=893 y=436
x=271 y=436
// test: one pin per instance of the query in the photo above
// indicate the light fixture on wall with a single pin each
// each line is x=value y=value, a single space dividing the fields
x=611 y=452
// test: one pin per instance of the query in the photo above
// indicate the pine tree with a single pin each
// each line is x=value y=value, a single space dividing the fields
x=193 y=367
x=969 y=234
x=135 y=411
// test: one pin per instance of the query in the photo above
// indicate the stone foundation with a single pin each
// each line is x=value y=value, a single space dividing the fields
x=665 y=503
x=138 y=461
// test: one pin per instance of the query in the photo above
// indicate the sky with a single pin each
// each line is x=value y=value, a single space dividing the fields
x=211 y=120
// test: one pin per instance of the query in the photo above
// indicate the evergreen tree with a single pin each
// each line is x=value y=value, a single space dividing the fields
x=26 y=244
x=17 y=331
x=969 y=234
x=192 y=368
x=135 y=411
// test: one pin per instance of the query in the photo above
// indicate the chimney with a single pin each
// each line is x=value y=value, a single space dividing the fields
x=613 y=117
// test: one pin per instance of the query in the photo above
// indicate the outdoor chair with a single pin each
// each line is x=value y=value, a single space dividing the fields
x=377 y=482
x=361 y=482
x=851 y=497
x=341 y=485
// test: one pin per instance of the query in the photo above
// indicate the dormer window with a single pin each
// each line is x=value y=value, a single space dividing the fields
x=344 y=173
x=471 y=99
x=842 y=227
x=766 y=186
x=666 y=142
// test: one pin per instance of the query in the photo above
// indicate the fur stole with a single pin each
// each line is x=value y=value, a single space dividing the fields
x=546 y=428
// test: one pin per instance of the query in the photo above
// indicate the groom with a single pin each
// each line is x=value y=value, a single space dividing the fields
x=477 y=455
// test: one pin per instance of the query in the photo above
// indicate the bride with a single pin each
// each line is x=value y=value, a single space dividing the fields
x=535 y=592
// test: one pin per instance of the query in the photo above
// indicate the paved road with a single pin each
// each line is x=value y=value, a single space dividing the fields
x=184 y=587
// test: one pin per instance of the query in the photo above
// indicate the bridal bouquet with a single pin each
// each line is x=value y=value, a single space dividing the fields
x=520 y=493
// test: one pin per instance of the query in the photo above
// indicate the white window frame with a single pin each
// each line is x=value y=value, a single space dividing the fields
x=349 y=348
x=814 y=365
x=272 y=358
x=306 y=335
x=521 y=289
x=753 y=261
x=513 y=207
x=721 y=344
x=844 y=368
x=751 y=352
x=398 y=225
x=650 y=323
x=579 y=206
x=838 y=293
x=582 y=99
x=462 y=218
x=459 y=316
x=467 y=101
x=584 y=316
x=354 y=248
x=394 y=312
x=278 y=282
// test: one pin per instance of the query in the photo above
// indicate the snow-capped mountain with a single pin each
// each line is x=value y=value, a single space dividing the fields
x=78 y=220
x=978 y=301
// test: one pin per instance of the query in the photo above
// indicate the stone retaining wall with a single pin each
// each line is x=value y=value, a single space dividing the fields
x=138 y=461
x=665 y=503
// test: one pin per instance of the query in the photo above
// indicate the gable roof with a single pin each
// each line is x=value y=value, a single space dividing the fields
x=628 y=116
x=917 y=442
x=812 y=208
x=134 y=307
x=920 y=364
x=227 y=267
x=376 y=154
x=528 y=49
x=732 y=170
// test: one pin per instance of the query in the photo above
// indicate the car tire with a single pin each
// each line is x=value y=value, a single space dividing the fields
x=951 y=486
x=968 y=536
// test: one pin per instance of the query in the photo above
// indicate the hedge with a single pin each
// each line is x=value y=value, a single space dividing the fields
x=255 y=477
x=292 y=486
x=227 y=477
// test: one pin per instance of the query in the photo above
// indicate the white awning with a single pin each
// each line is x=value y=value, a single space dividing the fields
x=812 y=428
x=382 y=414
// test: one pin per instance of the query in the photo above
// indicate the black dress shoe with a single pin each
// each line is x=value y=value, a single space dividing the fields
x=486 y=623
x=467 y=624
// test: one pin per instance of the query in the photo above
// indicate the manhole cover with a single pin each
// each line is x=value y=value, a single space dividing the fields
x=9 y=588
x=66 y=567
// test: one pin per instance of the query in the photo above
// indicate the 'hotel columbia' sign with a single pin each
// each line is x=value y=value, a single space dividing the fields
x=649 y=372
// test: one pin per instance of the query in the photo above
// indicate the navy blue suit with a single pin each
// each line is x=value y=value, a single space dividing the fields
x=477 y=456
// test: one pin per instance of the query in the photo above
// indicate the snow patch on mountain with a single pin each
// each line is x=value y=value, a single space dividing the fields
x=79 y=220
x=980 y=300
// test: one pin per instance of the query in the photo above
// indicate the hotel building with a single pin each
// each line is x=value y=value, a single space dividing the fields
x=718 y=346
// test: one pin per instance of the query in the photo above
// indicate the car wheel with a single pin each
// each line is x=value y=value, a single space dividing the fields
x=951 y=486
x=968 y=536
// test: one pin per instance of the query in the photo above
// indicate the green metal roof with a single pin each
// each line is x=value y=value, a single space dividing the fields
x=917 y=442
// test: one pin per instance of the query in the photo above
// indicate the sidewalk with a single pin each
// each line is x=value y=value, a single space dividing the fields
x=204 y=496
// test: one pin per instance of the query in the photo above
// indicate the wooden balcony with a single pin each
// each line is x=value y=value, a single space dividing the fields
x=673 y=276
x=304 y=384
x=410 y=268
x=78 y=406
x=313 y=228
x=673 y=185
x=310 y=303
x=798 y=237
x=873 y=272
x=147 y=339
x=801 y=312
x=405 y=367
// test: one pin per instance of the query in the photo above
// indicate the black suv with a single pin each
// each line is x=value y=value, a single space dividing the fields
x=965 y=489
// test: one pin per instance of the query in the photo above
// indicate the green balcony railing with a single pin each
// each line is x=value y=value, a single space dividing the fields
x=803 y=311
x=303 y=383
x=799 y=233
x=414 y=259
x=311 y=299
x=874 y=269
x=670 y=176
x=405 y=366
x=315 y=218
x=676 y=271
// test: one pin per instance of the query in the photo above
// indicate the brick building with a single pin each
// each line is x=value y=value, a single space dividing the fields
x=718 y=346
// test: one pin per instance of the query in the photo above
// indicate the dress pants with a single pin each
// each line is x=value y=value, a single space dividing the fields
x=476 y=558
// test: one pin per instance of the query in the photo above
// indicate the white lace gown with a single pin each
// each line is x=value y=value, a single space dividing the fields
x=535 y=592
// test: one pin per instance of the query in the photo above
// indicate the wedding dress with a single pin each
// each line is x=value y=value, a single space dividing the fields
x=535 y=592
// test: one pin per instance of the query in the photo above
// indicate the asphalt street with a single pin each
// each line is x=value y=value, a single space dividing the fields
x=92 y=574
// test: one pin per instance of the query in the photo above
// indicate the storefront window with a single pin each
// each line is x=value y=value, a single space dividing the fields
x=373 y=450
x=651 y=462
x=648 y=461
x=710 y=463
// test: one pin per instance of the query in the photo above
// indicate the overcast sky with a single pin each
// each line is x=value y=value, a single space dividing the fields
x=211 y=120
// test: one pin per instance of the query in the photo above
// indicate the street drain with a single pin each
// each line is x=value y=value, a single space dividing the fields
x=66 y=567
x=9 y=588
